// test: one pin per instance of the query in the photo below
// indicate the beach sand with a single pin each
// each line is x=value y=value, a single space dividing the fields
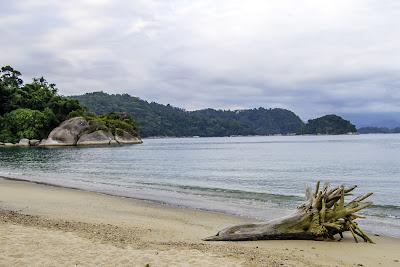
x=44 y=225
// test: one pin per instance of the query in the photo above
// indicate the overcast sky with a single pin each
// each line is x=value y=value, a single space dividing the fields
x=312 y=57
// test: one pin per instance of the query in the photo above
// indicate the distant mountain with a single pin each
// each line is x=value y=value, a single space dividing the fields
x=384 y=119
x=165 y=120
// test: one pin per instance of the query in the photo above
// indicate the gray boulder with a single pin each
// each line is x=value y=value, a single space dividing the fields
x=34 y=142
x=9 y=144
x=113 y=142
x=67 y=133
x=99 y=137
x=79 y=131
x=1 y=144
x=23 y=142
x=42 y=142
x=126 y=138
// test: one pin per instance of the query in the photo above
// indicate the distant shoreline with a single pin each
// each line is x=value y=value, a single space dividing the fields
x=282 y=135
x=187 y=137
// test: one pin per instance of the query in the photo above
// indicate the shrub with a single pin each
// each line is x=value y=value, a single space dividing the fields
x=117 y=123
x=26 y=123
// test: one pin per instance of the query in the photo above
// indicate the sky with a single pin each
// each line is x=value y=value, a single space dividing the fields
x=312 y=57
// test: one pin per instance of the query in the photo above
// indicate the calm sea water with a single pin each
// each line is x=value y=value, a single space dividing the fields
x=257 y=177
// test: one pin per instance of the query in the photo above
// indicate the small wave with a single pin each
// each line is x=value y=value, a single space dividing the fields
x=229 y=193
x=383 y=211
x=388 y=207
x=377 y=210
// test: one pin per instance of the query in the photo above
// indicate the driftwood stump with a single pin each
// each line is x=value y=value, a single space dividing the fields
x=324 y=215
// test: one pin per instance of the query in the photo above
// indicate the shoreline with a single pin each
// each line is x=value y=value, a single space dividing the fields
x=116 y=230
x=170 y=205
x=150 y=201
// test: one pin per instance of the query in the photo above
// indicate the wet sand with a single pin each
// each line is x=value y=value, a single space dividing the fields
x=43 y=225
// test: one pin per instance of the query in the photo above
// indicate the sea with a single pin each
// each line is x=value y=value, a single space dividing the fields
x=260 y=177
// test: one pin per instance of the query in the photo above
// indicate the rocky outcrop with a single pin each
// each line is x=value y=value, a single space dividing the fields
x=100 y=137
x=114 y=142
x=23 y=142
x=80 y=132
x=42 y=142
x=67 y=134
x=123 y=137
x=8 y=144
x=34 y=142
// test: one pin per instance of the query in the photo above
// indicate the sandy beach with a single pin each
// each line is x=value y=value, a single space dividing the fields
x=43 y=225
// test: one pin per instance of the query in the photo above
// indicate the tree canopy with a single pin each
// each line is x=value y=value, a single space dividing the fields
x=165 y=120
x=329 y=124
x=32 y=110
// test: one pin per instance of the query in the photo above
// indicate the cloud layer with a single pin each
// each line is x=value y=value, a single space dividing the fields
x=313 y=57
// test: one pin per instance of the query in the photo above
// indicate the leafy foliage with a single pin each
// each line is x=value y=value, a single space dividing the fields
x=9 y=82
x=30 y=110
x=329 y=124
x=28 y=123
x=117 y=123
x=165 y=120
x=33 y=109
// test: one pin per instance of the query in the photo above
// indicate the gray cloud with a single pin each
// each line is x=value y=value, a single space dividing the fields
x=313 y=57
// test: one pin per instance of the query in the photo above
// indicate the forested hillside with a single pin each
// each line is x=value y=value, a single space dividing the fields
x=31 y=110
x=329 y=124
x=165 y=120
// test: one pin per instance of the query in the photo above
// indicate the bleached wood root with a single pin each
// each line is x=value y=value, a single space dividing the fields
x=324 y=215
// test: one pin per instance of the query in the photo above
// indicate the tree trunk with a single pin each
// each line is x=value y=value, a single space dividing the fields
x=324 y=215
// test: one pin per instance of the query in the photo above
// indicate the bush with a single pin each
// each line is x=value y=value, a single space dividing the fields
x=7 y=136
x=81 y=113
x=118 y=122
x=26 y=123
x=32 y=110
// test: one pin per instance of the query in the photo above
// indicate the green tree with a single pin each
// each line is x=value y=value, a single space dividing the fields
x=33 y=109
x=329 y=124
x=165 y=120
x=27 y=123
x=10 y=81
x=36 y=95
x=117 y=122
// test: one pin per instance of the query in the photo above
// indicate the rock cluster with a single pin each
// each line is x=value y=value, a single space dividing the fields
x=80 y=132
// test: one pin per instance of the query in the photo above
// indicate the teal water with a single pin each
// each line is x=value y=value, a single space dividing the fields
x=258 y=177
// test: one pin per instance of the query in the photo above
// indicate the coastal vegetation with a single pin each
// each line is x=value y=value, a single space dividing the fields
x=32 y=110
x=329 y=124
x=165 y=120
